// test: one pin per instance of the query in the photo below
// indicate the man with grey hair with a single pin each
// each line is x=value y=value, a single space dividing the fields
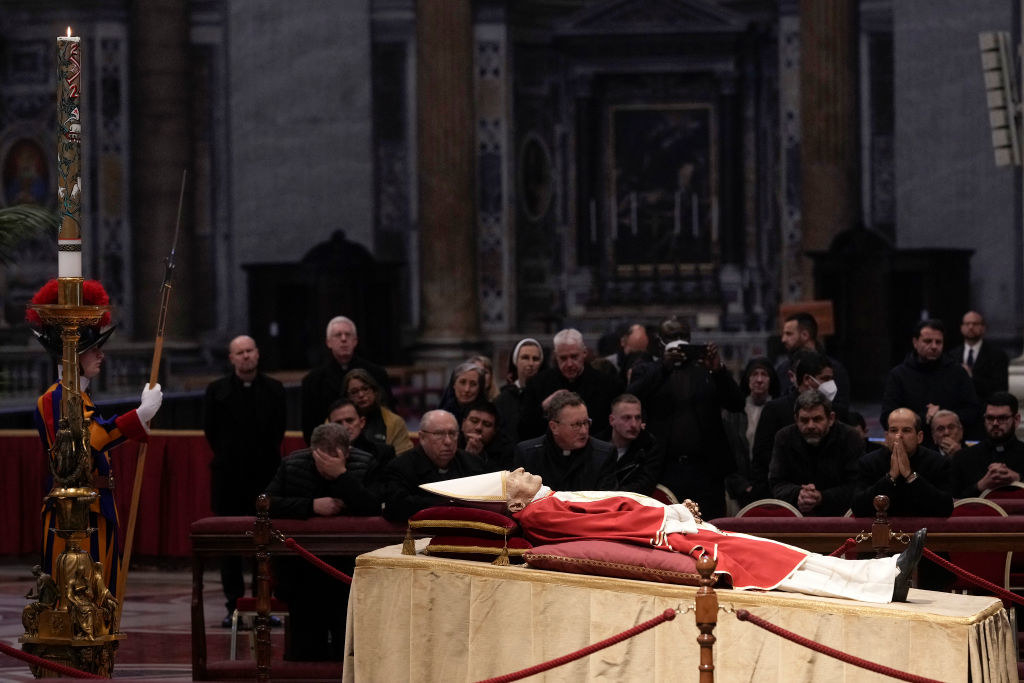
x=814 y=461
x=322 y=385
x=436 y=457
x=566 y=455
x=244 y=423
x=571 y=373
x=324 y=480
x=947 y=433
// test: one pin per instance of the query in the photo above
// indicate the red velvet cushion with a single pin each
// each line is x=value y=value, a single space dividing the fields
x=620 y=560
x=477 y=547
x=463 y=521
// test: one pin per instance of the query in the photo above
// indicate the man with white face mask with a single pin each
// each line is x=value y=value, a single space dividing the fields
x=814 y=462
x=811 y=370
x=800 y=333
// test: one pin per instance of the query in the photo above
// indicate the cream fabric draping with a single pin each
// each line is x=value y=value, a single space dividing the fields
x=417 y=618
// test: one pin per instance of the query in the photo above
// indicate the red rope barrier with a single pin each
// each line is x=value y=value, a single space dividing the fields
x=841 y=550
x=317 y=562
x=744 y=615
x=46 y=663
x=1000 y=592
x=667 y=615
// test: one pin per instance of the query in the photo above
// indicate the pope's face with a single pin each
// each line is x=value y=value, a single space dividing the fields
x=520 y=488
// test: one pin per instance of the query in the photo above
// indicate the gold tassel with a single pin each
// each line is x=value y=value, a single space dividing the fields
x=408 y=545
x=502 y=559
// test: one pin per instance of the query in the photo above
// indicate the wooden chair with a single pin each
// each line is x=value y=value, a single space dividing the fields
x=994 y=566
x=664 y=494
x=769 y=507
x=1012 y=490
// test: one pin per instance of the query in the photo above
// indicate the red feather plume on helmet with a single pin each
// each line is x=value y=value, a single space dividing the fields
x=93 y=294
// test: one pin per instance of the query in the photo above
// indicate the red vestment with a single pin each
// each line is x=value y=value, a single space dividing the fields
x=750 y=562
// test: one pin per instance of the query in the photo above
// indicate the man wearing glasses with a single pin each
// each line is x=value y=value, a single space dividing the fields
x=566 y=456
x=436 y=458
x=996 y=461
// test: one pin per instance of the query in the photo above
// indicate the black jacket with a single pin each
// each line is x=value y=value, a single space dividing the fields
x=596 y=388
x=402 y=477
x=244 y=426
x=509 y=404
x=831 y=466
x=775 y=415
x=991 y=369
x=298 y=482
x=970 y=464
x=915 y=383
x=926 y=496
x=322 y=386
x=684 y=411
x=639 y=467
x=591 y=468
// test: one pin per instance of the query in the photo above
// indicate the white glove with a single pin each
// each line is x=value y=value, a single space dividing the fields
x=152 y=397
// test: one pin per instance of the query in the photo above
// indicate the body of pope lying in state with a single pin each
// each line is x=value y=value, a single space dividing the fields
x=750 y=562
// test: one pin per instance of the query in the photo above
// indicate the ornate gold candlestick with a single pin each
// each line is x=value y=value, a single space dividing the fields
x=72 y=619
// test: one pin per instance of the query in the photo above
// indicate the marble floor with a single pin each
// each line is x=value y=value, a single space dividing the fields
x=156 y=619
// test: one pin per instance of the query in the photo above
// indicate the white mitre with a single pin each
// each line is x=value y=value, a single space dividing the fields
x=484 y=488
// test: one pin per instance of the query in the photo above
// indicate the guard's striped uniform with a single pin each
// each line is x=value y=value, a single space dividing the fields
x=104 y=434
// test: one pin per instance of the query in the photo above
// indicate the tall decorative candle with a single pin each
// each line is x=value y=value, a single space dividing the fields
x=69 y=156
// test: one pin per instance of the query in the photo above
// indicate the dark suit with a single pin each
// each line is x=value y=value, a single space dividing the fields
x=596 y=388
x=927 y=496
x=401 y=479
x=322 y=386
x=971 y=464
x=991 y=369
x=591 y=468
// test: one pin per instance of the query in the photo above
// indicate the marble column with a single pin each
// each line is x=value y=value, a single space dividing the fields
x=161 y=149
x=829 y=150
x=449 y=300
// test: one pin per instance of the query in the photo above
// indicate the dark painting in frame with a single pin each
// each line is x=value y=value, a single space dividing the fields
x=663 y=198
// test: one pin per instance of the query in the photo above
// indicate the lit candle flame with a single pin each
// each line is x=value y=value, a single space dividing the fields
x=69 y=31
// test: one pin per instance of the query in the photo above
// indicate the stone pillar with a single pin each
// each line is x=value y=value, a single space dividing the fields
x=829 y=150
x=161 y=149
x=449 y=307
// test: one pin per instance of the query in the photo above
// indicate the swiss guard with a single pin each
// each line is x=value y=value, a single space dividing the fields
x=104 y=432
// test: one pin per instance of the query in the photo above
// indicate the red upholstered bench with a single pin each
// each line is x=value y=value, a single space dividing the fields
x=216 y=536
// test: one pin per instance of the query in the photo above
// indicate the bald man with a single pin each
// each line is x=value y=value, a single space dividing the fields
x=244 y=421
x=915 y=478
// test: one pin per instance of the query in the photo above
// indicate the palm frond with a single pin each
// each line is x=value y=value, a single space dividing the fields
x=21 y=223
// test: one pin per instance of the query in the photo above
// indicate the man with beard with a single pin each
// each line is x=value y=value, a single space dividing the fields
x=927 y=382
x=996 y=461
x=814 y=462
x=915 y=478
x=800 y=333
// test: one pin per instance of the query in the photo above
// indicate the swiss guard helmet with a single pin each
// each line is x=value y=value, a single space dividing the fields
x=89 y=336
